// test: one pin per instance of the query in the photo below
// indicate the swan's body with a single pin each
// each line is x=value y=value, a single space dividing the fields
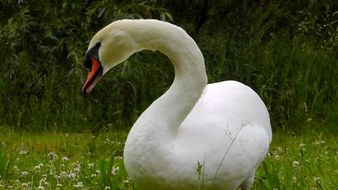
x=195 y=135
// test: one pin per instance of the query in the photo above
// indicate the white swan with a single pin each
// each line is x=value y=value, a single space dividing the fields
x=195 y=136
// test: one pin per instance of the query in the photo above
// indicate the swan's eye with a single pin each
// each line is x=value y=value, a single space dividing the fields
x=87 y=62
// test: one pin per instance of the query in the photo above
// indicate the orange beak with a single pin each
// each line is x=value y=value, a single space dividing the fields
x=94 y=75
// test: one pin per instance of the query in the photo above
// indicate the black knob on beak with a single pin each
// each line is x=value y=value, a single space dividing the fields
x=87 y=62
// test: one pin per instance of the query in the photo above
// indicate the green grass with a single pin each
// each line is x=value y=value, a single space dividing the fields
x=94 y=161
x=300 y=161
x=64 y=161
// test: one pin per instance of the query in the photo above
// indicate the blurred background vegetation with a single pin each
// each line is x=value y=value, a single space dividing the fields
x=286 y=50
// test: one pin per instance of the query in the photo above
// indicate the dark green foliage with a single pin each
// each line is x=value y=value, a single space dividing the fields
x=285 y=50
x=41 y=72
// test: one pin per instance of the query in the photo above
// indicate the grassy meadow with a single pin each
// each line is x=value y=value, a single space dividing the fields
x=94 y=161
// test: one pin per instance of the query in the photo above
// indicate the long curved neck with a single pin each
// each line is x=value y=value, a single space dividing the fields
x=167 y=113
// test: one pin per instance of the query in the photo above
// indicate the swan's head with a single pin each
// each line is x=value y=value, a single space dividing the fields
x=108 y=48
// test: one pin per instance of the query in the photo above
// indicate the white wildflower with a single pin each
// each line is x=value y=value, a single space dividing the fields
x=294 y=179
x=63 y=174
x=37 y=167
x=106 y=188
x=115 y=170
x=78 y=185
x=318 y=142
x=41 y=187
x=93 y=175
x=126 y=181
x=24 y=174
x=23 y=152
x=65 y=158
x=277 y=157
x=77 y=169
x=71 y=175
x=43 y=182
x=90 y=164
x=295 y=164
x=24 y=185
x=316 y=179
x=58 y=177
x=15 y=168
x=107 y=141
x=52 y=156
